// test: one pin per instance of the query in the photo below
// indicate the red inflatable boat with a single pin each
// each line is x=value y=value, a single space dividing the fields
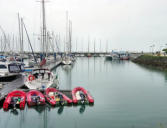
x=54 y=97
x=35 y=97
x=15 y=99
x=79 y=94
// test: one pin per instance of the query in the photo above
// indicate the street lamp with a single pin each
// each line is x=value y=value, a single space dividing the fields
x=152 y=48
x=161 y=48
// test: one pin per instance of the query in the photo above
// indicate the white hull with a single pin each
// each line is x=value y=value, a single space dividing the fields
x=42 y=82
x=39 y=84
x=67 y=62
x=9 y=70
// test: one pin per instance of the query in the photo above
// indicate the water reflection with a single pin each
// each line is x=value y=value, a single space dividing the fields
x=124 y=93
x=60 y=110
x=67 y=67
x=153 y=70
x=82 y=109
x=42 y=109
x=14 y=112
x=22 y=119
x=94 y=64
x=68 y=76
x=39 y=109
x=116 y=62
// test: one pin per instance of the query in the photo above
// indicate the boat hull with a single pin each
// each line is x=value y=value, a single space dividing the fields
x=51 y=98
x=88 y=96
x=15 y=94
x=39 y=79
x=66 y=62
x=33 y=94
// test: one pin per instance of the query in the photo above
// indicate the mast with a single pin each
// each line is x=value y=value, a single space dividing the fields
x=8 y=45
x=43 y=41
x=13 y=42
x=64 y=44
x=5 y=39
x=29 y=41
x=20 y=38
x=1 y=43
x=94 y=45
x=70 y=35
x=67 y=41
x=106 y=46
x=88 y=43
x=21 y=43
x=59 y=42
x=100 y=45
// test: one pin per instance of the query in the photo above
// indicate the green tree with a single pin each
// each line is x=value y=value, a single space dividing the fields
x=165 y=50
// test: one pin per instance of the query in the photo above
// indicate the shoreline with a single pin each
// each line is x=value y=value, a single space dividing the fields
x=159 y=62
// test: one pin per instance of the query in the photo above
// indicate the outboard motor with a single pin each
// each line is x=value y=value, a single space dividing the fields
x=14 y=102
x=37 y=100
x=61 y=99
x=82 y=97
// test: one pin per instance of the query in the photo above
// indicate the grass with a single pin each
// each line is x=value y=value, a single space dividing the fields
x=159 y=62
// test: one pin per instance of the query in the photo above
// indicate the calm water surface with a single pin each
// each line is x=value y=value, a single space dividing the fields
x=126 y=96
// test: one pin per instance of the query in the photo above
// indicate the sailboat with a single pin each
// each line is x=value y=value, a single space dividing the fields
x=9 y=70
x=88 y=54
x=67 y=58
x=40 y=78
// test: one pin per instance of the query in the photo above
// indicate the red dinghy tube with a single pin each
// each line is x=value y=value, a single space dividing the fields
x=15 y=95
x=51 y=98
x=35 y=97
x=88 y=96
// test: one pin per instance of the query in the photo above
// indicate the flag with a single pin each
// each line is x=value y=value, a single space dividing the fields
x=43 y=62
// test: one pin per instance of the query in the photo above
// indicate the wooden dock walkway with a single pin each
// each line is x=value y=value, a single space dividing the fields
x=19 y=82
x=53 y=64
x=66 y=92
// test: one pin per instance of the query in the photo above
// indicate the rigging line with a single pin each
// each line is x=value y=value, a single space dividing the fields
x=56 y=41
x=6 y=43
x=5 y=38
x=29 y=43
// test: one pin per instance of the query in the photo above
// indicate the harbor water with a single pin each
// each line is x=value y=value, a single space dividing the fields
x=126 y=95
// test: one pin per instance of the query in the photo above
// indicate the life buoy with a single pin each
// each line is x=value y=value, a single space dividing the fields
x=31 y=78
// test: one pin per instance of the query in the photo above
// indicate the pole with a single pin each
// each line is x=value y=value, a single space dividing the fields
x=94 y=45
x=106 y=46
x=20 y=37
x=29 y=42
x=44 y=27
x=88 y=43
x=21 y=44
x=67 y=40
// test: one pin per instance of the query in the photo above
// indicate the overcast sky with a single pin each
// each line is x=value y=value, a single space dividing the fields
x=127 y=24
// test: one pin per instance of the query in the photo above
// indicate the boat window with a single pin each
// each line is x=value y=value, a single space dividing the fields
x=14 y=68
x=2 y=66
x=42 y=71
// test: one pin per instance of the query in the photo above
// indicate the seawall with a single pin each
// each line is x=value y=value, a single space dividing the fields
x=159 y=62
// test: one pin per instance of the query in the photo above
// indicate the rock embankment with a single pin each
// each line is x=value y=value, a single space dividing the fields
x=159 y=62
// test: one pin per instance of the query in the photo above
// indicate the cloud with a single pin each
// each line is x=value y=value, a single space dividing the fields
x=126 y=24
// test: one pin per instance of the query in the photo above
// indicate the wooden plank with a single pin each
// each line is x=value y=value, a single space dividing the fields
x=19 y=82
x=52 y=65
